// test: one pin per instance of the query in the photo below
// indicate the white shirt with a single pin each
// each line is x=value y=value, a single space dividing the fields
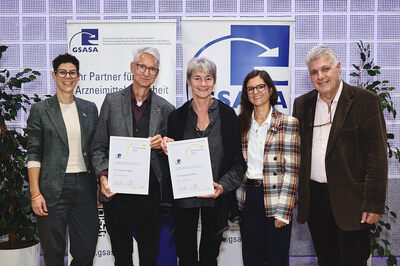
x=321 y=136
x=255 y=149
x=76 y=163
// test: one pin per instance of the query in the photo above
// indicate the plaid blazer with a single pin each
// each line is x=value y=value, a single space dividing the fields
x=281 y=167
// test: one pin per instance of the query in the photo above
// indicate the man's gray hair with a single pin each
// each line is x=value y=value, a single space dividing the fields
x=147 y=50
x=202 y=64
x=319 y=51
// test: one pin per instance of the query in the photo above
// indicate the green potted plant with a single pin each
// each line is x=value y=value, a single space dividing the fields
x=367 y=69
x=17 y=225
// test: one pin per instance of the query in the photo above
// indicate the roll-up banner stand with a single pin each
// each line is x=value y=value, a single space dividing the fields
x=238 y=46
x=105 y=51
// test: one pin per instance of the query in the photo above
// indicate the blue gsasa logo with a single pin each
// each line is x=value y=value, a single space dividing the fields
x=87 y=43
x=251 y=47
x=89 y=35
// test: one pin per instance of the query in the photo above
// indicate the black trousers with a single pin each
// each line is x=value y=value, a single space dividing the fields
x=125 y=212
x=262 y=243
x=186 y=237
x=77 y=209
x=334 y=246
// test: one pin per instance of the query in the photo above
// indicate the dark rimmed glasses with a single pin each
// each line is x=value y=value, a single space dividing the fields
x=259 y=87
x=61 y=73
x=142 y=68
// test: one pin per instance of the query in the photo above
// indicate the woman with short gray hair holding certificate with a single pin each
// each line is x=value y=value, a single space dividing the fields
x=204 y=116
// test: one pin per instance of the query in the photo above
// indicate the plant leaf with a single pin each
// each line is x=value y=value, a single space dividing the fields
x=3 y=48
x=362 y=56
x=367 y=66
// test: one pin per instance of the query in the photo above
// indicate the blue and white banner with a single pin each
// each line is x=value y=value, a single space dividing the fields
x=105 y=51
x=238 y=46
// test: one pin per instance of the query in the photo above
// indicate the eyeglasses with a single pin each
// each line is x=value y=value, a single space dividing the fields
x=259 y=87
x=330 y=118
x=142 y=68
x=61 y=73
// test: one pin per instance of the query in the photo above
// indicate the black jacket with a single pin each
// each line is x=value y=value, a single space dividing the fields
x=232 y=160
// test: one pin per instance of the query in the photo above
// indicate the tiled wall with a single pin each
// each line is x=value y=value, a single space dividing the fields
x=36 y=32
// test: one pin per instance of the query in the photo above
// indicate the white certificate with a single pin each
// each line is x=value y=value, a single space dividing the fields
x=129 y=165
x=190 y=166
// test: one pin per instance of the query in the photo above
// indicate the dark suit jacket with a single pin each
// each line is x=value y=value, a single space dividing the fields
x=116 y=119
x=48 y=142
x=356 y=156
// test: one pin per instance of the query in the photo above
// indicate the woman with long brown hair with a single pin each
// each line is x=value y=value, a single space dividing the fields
x=271 y=148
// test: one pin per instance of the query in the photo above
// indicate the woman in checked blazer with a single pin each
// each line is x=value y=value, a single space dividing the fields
x=267 y=196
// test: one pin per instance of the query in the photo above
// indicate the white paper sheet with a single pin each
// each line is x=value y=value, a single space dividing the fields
x=129 y=165
x=190 y=166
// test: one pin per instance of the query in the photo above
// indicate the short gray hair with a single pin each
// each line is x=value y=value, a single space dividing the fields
x=202 y=64
x=147 y=50
x=319 y=51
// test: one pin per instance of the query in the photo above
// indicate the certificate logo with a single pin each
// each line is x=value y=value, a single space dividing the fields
x=178 y=161
x=87 y=43
x=249 y=47
x=118 y=156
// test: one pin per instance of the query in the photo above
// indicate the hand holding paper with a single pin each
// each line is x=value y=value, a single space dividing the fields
x=105 y=189
x=218 y=190
x=164 y=144
x=156 y=142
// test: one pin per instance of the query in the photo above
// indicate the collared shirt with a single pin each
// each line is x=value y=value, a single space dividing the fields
x=139 y=107
x=255 y=156
x=321 y=136
x=257 y=138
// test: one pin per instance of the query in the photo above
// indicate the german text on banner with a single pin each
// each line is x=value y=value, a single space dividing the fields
x=105 y=51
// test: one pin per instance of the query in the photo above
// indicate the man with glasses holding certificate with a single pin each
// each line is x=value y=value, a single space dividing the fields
x=343 y=176
x=135 y=112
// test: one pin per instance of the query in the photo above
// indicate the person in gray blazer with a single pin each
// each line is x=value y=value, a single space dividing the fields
x=61 y=179
x=135 y=112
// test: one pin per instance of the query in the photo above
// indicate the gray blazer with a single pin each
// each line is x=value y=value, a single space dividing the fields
x=116 y=119
x=48 y=142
